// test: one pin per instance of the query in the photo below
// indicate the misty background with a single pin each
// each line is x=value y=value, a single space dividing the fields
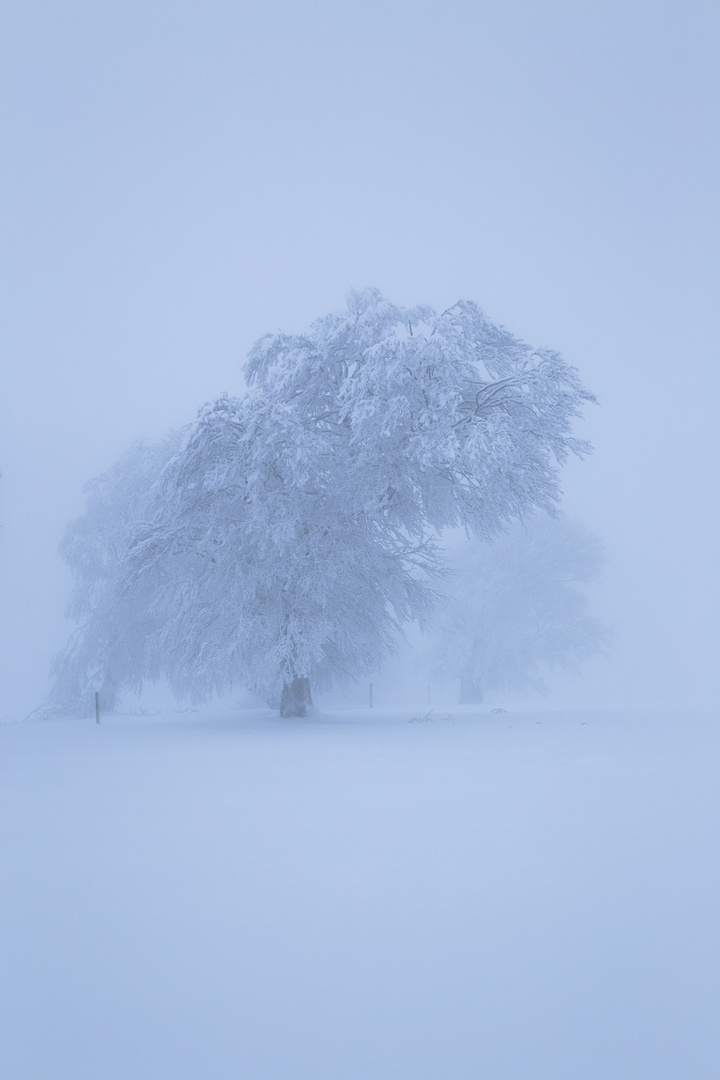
x=179 y=179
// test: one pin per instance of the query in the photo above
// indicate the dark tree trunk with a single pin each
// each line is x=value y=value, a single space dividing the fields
x=295 y=697
x=471 y=690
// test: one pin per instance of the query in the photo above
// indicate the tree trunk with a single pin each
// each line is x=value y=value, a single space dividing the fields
x=471 y=690
x=295 y=697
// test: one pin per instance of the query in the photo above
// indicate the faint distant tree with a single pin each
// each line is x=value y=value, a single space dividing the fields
x=514 y=608
x=107 y=649
x=294 y=531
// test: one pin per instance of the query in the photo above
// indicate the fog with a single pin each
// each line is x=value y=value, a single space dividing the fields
x=181 y=178
x=426 y=888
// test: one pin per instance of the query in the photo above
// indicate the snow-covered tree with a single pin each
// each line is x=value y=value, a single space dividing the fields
x=513 y=608
x=295 y=530
x=107 y=649
x=261 y=569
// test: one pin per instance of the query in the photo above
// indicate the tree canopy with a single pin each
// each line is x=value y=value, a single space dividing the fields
x=295 y=530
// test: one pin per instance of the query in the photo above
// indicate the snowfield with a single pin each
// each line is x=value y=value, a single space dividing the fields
x=477 y=896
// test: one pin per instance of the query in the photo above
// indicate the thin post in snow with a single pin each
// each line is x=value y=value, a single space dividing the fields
x=97 y=707
x=371 y=704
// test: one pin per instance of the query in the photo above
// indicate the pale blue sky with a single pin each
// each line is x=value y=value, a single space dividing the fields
x=181 y=177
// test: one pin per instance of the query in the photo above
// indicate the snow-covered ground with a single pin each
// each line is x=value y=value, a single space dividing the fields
x=517 y=896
